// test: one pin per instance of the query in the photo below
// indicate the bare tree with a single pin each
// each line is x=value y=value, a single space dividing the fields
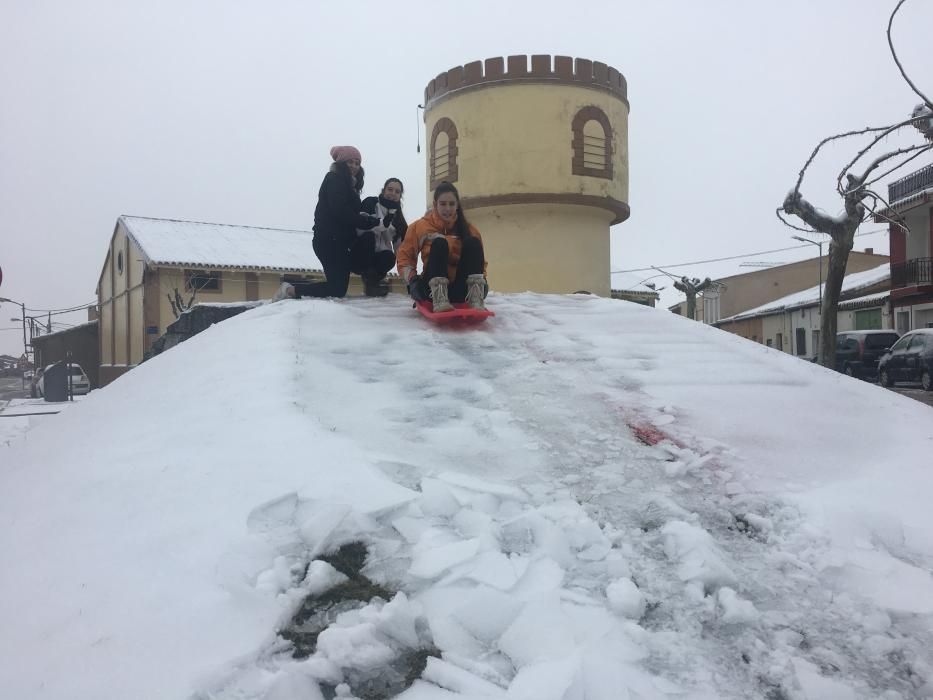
x=179 y=305
x=860 y=201
x=692 y=287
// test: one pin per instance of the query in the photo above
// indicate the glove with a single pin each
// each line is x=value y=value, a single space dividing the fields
x=387 y=219
x=415 y=289
x=371 y=222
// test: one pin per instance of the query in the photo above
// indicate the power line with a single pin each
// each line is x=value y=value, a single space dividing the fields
x=731 y=257
x=63 y=311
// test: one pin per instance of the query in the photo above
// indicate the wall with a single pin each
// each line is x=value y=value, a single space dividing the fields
x=918 y=242
x=120 y=300
x=518 y=139
x=529 y=248
x=744 y=292
x=749 y=328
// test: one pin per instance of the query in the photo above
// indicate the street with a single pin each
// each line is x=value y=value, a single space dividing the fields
x=916 y=393
x=12 y=388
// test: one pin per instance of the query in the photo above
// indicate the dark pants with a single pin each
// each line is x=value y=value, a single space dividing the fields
x=471 y=263
x=365 y=261
x=339 y=260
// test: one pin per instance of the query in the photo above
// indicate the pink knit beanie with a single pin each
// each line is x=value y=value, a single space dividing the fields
x=342 y=153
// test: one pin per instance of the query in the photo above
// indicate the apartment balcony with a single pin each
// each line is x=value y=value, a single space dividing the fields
x=910 y=185
x=915 y=272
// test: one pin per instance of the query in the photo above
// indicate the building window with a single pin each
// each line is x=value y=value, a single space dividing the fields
x=444 y=152
x=592 y=143
x=779 y=341
x=770 y=342
x=119 y=262
x=816 y=341
x=202 y=281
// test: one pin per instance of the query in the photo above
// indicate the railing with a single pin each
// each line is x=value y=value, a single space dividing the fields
x=913 y=183
x=917 y=271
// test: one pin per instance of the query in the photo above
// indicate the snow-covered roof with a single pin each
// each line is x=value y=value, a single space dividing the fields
x=851 y=284
x=42 y=338
x=193 y=243
x=625 y=282
x=867 y=300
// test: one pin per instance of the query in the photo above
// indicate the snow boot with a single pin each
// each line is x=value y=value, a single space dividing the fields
x=374 y=285
x=439 y=299
x=476 y=288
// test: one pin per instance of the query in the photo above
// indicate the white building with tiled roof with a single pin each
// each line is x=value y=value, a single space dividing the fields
x=792 y=323
x=152 y=264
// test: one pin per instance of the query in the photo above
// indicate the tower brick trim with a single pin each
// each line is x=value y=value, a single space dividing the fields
x=581 y=147
x=544 y=68
x=444 y=165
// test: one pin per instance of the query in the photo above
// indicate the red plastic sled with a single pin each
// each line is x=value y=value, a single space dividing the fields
x=462 y=313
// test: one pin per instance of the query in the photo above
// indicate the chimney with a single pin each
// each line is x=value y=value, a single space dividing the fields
x=869 y=251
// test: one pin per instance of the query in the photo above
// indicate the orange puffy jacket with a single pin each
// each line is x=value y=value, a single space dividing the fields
x=419 y=237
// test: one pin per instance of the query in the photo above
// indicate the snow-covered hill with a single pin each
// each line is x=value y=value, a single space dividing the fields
x=777 y=542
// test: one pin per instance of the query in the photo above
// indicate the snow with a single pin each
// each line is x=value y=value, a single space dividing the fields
x=171 y=242
x=777 y=542
x=810 y=297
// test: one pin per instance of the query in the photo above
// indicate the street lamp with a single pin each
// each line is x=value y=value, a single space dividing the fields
x=818 y=244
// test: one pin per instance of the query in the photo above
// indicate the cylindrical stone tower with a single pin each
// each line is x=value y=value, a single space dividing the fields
x=539 y=153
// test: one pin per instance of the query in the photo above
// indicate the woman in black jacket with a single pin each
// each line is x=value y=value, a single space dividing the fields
x=372 y=255
x=337 y=217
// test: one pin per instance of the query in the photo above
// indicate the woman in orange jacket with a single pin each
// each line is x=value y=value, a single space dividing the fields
x=452 y=254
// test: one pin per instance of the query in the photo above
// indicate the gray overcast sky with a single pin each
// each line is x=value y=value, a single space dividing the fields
x=224 y=111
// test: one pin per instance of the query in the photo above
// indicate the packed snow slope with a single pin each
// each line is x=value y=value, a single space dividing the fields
x=777 y=542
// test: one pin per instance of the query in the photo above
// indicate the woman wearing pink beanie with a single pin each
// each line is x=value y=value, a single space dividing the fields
x=337 y=217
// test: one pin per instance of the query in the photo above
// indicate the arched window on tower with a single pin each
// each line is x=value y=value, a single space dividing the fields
x=443 y=152
x=592 y=143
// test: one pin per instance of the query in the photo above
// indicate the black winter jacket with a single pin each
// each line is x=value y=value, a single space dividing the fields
x=371 y=206
x=337 y=213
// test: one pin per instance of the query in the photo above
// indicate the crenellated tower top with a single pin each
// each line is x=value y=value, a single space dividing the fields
x=543 y=68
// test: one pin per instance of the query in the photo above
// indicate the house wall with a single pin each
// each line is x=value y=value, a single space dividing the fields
x=120 y=300
x=918 y=243
x=786 y=323
x=753 y=289
x=749 y=328
x=846 y=320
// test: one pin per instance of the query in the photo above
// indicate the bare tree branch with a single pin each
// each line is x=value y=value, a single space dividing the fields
x=779 y=213
x=866 y=130
x=912 y=121
x=897 y=61
x=900 y=165
x=819 y=220
x=872 y=212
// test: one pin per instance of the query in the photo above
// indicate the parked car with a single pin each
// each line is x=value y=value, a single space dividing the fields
x=910 y=359
x=33 y=379
x=858 y=352
x=80 y=384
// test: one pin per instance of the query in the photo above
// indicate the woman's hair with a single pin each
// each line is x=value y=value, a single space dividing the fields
x=461 y=227
x=341 y=168
x=399 y=216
